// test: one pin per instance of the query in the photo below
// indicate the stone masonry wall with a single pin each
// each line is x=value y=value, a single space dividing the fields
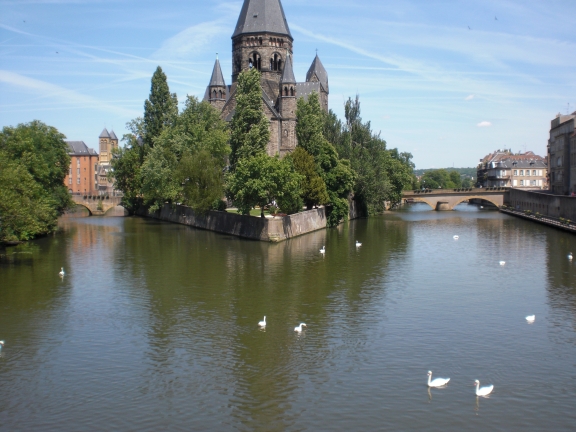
x=546 y=204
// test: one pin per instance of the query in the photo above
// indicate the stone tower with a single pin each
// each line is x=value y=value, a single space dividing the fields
x=262 y=40
x=108 y=142
x=217 y=90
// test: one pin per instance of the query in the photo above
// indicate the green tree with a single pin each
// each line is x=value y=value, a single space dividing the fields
x=441 y=178
x=126 y=166
x=160 y=109
x=249 y=126
x=26 y=211
x=313 y=186
x=336 y=173
x=198 y=128
x=260 y=180
x=42 y=151
x=203 y=180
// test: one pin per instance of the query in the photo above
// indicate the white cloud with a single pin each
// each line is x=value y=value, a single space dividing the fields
x=191 y=41
x=469 y=97
x=62 y=95
x=484 y=124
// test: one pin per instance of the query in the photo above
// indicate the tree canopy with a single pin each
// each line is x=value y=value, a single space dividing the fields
x=34 y=161
x=160 y=109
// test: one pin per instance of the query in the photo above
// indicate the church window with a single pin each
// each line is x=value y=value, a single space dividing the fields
x=280 y=65
x=292 y=91
x=220 y=94
x=285 y=91
x=271 y=64
x=214 y=94
x=260 y=41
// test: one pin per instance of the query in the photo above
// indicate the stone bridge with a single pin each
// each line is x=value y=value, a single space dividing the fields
x=447 y=199
x=100 y=205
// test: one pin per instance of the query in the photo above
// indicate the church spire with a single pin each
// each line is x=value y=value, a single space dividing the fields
x=217 y=79
x=288 y=73
x=317 y=72
x=262 y=16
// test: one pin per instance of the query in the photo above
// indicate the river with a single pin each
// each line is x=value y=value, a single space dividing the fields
x=155 y=327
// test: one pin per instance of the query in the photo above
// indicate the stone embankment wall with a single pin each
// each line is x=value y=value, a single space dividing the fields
x=556 y=206
x=273 y=230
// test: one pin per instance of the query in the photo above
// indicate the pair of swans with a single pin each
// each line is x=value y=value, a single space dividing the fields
x=262 y=324
x=441 y=382
x=323 y=250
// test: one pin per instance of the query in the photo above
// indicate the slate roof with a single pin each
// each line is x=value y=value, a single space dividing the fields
x=521 y=163
x=288 y=73
x=104 y=134
x=113 y=136
x=306 y=89
x=318 y=68
x=259 y=16
x=217 y=77
x=79 y=148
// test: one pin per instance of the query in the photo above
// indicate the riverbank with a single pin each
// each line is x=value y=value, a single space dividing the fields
x=545 y=220
x=273 y=230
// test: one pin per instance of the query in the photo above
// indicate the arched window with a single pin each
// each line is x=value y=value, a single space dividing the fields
x=280 y=65
x=214 y=94
x=285 y=91
x=291 y=91
x=260 y=41
x=271 y=64
x=220 y=94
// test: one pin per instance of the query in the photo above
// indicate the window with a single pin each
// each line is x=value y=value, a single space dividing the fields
x=527 y=172
x=70 y=180
x=77 y=161
x=559 y=162
x=77 y=171
x=521 y=172
x=78 y=180
x=515 y=183
x=533 y=183
x=515 y=172
x=521 y=182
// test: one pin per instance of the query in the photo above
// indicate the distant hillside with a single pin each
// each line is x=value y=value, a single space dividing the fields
x=465 y=172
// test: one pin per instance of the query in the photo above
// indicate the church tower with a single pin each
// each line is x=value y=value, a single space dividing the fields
x=262 y=39
x=317 y=73
x=217 y=89
x=288 y=108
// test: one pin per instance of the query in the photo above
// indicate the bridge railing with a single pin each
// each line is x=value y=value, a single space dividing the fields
x=457 y=190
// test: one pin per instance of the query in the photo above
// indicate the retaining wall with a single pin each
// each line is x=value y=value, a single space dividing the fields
x=272 y=230
x=556 y=206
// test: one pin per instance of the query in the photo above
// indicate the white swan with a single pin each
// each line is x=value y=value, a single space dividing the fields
x=483 y=391
x=1 y=343
x=263 y=322
x=323 y=250
x=531 y=318
x=456 y=237
x=502 y=263
x=358 y=244
x=570 y=256
x=61 y=271
x=438 y=382
x=299 y=328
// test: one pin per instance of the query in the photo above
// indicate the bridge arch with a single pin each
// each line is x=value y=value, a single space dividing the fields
x=485 y=198
x=86 y=207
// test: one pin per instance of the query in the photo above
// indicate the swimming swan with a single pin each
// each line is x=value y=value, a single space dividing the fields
x=263 y=322
x=438 y=382
x=531 y=318
x=299 y=328
x=456 y=237
x=61 y=271
x=323 y=250
x=483 y=391
x=358 y=244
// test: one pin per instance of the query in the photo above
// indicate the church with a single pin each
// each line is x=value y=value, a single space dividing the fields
x=262 y=40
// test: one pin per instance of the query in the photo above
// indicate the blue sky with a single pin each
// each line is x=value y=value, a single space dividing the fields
x=448 y=81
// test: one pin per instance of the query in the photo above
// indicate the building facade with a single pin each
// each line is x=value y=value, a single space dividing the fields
x=506 y=169
x=81 y=178
x=108 y=142
x=561 y=154
x=262 y=40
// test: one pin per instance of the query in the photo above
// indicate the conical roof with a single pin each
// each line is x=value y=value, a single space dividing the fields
x=217 y=77
x=104 y=134
x=113 y=136
x=318 y=68
x=288 y=73
x=260 y=16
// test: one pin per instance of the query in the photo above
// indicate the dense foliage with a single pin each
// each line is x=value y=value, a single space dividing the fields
x=256 y=179
x=34 y=161
x=160 y=109
x=445 y=179
x=380 y=174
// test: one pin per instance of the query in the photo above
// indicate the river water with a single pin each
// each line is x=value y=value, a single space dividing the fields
x=154 y=327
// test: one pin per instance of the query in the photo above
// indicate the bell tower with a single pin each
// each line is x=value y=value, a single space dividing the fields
x=262 y=40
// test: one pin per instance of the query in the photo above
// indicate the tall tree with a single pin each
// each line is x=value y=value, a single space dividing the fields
x=42 y=150
x=160 y=109
x=336 y=173
x=249 y=126
x=313 y=186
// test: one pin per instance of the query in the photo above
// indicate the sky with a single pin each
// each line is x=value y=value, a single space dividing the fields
x=448 y=81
